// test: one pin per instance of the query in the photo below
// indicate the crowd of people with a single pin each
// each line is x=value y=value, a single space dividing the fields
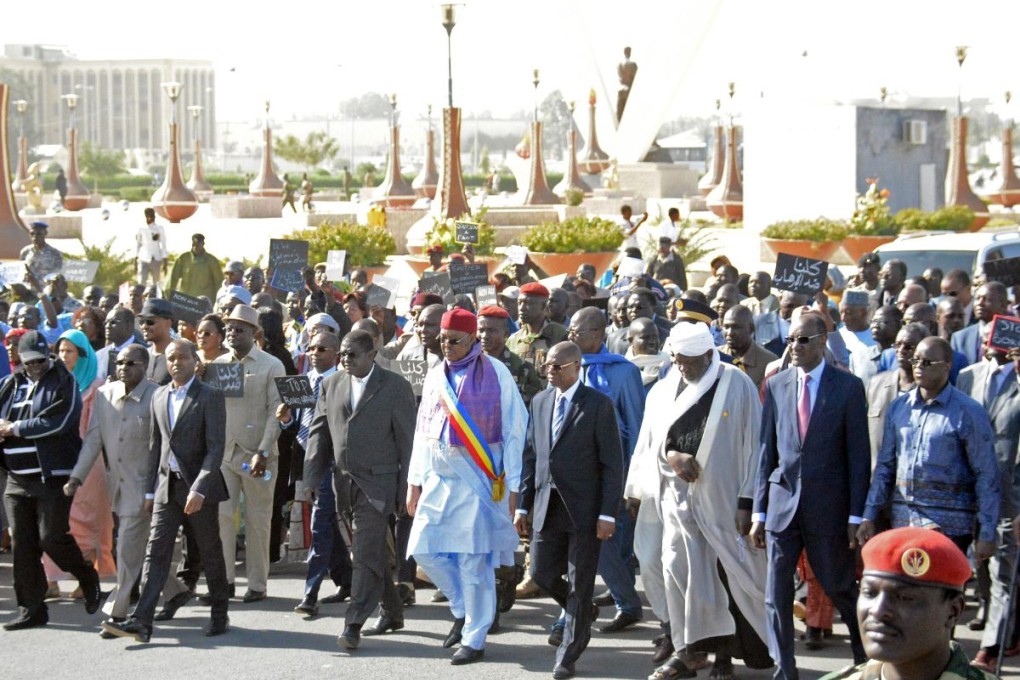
x=737 y=447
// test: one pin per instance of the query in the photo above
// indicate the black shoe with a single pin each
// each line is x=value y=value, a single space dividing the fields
x=556 y=637
x=622 y=621
x=132 y=628
x=350 y=638
x=385 y=624
x=89 y=585
x=604 y=600
x=25 y=620
x=663 y=649
x=217 y=627
x=813 y=638
x=308 y=606
x=563 y=671
x=454 y=637
x=439 y=597
x=494 y=627
x=980 y=618
x=254 y=596
x=207 y=600
x=342 y=593
x=171 y=606
x=466 y=655
x=406 y=593
x=105 y=635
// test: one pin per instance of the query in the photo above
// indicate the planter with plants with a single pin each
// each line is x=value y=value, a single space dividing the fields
x=872 y=223
x=950 y=218
x=367 y=246
x=560 y=247
x=818 y=239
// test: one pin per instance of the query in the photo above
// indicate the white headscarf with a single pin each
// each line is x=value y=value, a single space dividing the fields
x=690 y=339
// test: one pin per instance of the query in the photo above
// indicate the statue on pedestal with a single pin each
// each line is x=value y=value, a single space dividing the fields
x=626 y=70
x=33 y=188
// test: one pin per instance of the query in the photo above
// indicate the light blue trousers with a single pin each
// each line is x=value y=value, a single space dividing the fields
x=468 y=580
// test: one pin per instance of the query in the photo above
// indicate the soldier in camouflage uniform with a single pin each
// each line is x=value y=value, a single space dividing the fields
x=537 y=334
x=493 y=333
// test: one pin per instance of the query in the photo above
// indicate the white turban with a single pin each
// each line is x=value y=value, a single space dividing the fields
x=690 y=339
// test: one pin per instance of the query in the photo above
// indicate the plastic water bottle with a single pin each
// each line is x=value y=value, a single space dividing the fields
x=266 y=476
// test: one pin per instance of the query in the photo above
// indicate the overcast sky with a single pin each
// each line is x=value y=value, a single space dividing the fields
x=308 y=56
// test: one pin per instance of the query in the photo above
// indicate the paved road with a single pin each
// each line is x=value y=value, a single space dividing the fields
x=267 y=640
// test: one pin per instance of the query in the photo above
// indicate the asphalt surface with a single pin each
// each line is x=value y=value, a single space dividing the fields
x=268 y=640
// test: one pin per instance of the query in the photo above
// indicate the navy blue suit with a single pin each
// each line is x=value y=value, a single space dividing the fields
x=808 y=492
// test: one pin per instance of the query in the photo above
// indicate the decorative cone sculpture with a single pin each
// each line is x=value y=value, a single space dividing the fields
x=727 y=199
x=958 y=191
x=394 y=192
x=711 y=179
x=203 y=190
x=1008 y=193
x=593 y=159
x=452 y=200
x=424 y=184
x=19 y=179
x=13 y=234
x=571 y=180
x=538 y=191
x=173 y=200
x=267 y=183
x=77 y=197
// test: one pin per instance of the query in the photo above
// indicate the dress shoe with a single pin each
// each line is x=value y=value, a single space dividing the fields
x=604 y=600
x=25 y=620
x=813 y=638
x=171 y=606
x=254 y=596
x=663 y=649
x=494 y=627
x=621 y=621
x=980 y=618
x=342 y=593
x=466 y=655
x=439 y=597
x=405 y=591
x=563 y=671
x=106 y=635
x=455 y=633
x=217 y=627
x=132 y=628
x=383 y=625
x=350 y=638
x=556 y=636
x=207 y=600
x=527 y=589
x=308 y=606
x=89 y=586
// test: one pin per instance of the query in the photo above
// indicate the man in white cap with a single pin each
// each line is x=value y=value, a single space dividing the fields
x=703 y=479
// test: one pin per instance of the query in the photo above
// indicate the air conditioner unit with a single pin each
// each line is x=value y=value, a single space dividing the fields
x=915 y=132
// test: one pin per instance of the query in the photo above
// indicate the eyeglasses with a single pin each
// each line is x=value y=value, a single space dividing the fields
x=556 y=368
x=899 y=344
x=574 y=333
x=452 y=342
x=125 y=362
x=323 y=348
x=801 y=339
x=148 y=322
x=925 y=363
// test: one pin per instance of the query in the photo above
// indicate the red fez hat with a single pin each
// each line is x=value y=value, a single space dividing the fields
x=494 y=310
x=535 y=288
x=434 y=248
x=457 y=257
x=426 y=299
x=458 y=319
x=918 y=556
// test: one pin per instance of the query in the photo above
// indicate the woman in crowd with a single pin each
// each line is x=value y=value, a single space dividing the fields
x=91 y=322
x=354 y=305
x=209 y=338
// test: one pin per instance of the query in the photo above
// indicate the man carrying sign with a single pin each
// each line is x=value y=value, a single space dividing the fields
x=463 y=479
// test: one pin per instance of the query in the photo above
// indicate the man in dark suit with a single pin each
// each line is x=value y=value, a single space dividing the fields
x=364 y=420
x=811 y=486
x=573 y=483
x=186 y=450
x=992 y=298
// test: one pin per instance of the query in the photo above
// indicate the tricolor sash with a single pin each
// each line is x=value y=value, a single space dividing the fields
x=474 y=442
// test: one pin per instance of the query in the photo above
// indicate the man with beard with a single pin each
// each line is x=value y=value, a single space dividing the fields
x=748 y=356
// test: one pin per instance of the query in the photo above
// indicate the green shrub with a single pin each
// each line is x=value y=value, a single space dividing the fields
x=820 y=229
x=136 y=193
x=573 y=197
x=115 y=267
x=445 y=233
x=366 y=246
x=950 y=218
x=576 y=235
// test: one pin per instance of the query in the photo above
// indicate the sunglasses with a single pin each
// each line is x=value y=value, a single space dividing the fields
x=801 y=339
x=125 y=362
x=322 y=348
x=925 y=363
x=952 y=293
x=575 y=333
x=556 y=368
x=342 y=355
x=148 y=322
x=452 y=342
x=35 y=362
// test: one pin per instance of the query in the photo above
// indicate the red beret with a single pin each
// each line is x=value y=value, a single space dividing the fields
x=919 y=556
x=434 y=248
x=458 y=319
x=426 y=299
x=535 y=288
x=459 y=257
x=494 y=310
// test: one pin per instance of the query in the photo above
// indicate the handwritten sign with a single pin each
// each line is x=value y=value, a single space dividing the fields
x=296 y=391
x=464 y=278
x=634 y=267
x=437 y=283
x=1005 y=333
x=413 y=371
x=80 y=271
x=227 y=378
x=516 y=254
x=467 y=232
x=124 y=293
x=485 y=296
x=335 y=264
x=288 y=254
x=377 y=296
x=390 y=283
x=188 y=307
x=799 y=274
x=1007 y=271
x=289 y=280
x=12 y=272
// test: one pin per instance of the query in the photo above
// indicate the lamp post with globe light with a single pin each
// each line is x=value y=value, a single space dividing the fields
x=173 y=200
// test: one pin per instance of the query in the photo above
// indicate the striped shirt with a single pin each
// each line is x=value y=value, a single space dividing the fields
x=21 y=455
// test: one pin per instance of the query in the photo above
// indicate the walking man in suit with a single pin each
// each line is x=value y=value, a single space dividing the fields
x=992 y=298
x=812 y=484
x=364 y=423
x=120 y=426
x=185 y=452
x=573 y=483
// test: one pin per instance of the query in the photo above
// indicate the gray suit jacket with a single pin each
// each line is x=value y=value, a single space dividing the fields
x=197 y=442
x=967 y=341
x=1004 y=412
x=371 y=444
x=882 y=389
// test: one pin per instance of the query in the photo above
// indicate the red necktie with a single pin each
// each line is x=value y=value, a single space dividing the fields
x=804 y=408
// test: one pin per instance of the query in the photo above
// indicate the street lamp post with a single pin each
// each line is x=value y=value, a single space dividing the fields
x=449 y=21
x=394 y=191
x=958 y=189
x=19 y=180
x=538 y=188
x=197 y=183
x=77 y=196
x=424 y=184
x=452 y=199
x=173 y=199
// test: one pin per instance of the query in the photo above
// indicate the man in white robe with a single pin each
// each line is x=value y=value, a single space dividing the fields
x=463 y=525
x=704 y=497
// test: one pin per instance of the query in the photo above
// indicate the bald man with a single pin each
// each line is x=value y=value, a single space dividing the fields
x=748 y=356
